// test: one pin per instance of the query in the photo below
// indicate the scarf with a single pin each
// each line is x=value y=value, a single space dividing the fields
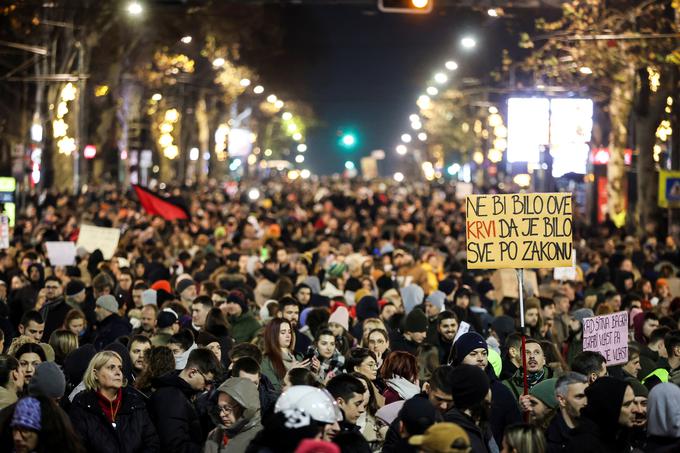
x=405 y=388
x=109 y=407
x=532 y=378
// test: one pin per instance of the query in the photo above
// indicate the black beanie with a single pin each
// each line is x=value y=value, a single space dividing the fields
x=237 y=297
x=384 y=283
x=467 y=343
x=469 y=386
x=416 y=321
x=447 y=286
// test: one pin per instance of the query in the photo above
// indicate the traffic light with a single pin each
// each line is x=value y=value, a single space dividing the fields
x=405 y=6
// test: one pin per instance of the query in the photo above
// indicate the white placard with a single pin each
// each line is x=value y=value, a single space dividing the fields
x=61 y=253
x=566 y=274
x=92 y=238
x=462 y=328
x=4 y=232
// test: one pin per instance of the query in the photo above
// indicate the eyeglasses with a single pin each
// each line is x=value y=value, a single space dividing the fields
x=207 y=382
x=226 y=409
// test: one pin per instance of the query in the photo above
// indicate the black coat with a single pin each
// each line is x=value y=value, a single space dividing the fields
x=110 y=329
x=134 y=432
x=54 y=313
x=478 y=440
x=504 y=407
x=588 y=437
x=558 y=434
x=174 y=415
x=656 y=444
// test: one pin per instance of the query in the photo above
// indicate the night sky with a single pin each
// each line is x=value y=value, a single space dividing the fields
x=362 y=69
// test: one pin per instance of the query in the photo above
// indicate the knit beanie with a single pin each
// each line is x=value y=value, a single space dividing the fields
x=48 y=381
x=545 y=391
x=469 y=386
x=582 y=313
x=340 y=316
x=437 y=298
x=108 y=303
x=236 y=297
x=416 y=321
x=447 y=286
x=149 y=297
x=27 y=414
x=184 y=284
x=467 y=343
x=74 y=287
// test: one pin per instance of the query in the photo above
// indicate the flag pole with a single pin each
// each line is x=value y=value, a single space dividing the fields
x=520 y=279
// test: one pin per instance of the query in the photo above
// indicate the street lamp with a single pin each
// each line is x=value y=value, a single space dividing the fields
x=135 y=8
x=585 y=70
x=258 y=89
x=468 y=42
x=287 y=116
x=451 y=65
x=186 y=39
x=401 y=150
x=245 y=82
x=441 y=78
x=406 y=138
x=218 y=62
x=432 y=91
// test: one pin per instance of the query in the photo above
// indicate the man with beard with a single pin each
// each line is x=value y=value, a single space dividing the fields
x=289 y=309
x=442 y=332
x=471 y=406
x=139 y=348
x=55 y=308
x=571 y=398
x=536 y=370
x=638 y=436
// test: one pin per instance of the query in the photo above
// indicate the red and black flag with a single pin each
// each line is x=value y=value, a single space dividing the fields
x=170 y=208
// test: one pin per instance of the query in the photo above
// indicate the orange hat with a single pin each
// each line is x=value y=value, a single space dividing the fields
x=162 y=284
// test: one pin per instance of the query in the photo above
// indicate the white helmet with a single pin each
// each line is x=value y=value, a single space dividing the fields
x=309 y=403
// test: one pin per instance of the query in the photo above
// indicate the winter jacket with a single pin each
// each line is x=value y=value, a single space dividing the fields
x=236 y=438
x=599 y=430
x=398 y=342
x=243 y=327
x=516 y=382
x=443 y=346
x=504 y=407
x=268 y=370
x=133 y=432
x=174 y=415
x=558 y=434
x=663 y=418
x=110 y=329
x=478 y=441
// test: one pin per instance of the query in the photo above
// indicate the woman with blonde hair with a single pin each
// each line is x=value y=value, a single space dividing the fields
x=523 y=438
x=109 y=416
x=63 y=342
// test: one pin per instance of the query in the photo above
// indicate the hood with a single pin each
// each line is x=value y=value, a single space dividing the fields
x=124 y=354
x=246 y=394
x=663 y=416
x=367 y=308
x=605 y=397
x=638 y=322
x=76 y=363
x=412 y=295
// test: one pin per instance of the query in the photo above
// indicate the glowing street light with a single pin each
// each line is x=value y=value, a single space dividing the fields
x=135 y=8
x=304 y=174
x=218 y=62
x=297 y=136
x=432 y=91
x=416 y=125
x=451 y=65
x=156 y=97
x=258 y=89
x=585 y=70
x=413 y=117
x=401 y=149
x=406 y=138
x=299 y=158
x=279 y=104
x=348 y=140
x=398 y=177
x=271 y=98
x=254 y=194
x=468 y=42
x=349 y=165
x=301 y=148
x=441 y=78
x=492 y=12
x=422 y=136
x=245 y=82
x=186 y=39
x=287 y=116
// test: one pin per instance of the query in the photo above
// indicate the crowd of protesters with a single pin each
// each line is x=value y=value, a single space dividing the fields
x=324 y=316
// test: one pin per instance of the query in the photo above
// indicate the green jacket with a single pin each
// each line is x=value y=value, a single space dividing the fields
x=516 y=382
x=243 y=327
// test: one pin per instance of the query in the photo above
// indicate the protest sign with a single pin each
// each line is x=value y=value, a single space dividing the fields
x=62 y=253
x=608 y=335
x=4 y=232
x=519 y=231
x=566 y=274
x=92 y=238
x=462 y=328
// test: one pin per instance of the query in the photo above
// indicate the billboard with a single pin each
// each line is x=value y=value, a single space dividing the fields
x=563 y=124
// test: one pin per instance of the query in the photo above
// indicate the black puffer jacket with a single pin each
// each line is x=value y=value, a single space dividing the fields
x=174 y=415
x=134 y=432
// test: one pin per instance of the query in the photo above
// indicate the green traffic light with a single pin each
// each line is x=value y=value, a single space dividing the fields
x=348 y=140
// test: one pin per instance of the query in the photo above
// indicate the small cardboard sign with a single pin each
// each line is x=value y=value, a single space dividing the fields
x=462 y=328
x=608 y=335
x=92 y=238
x=62 y=253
